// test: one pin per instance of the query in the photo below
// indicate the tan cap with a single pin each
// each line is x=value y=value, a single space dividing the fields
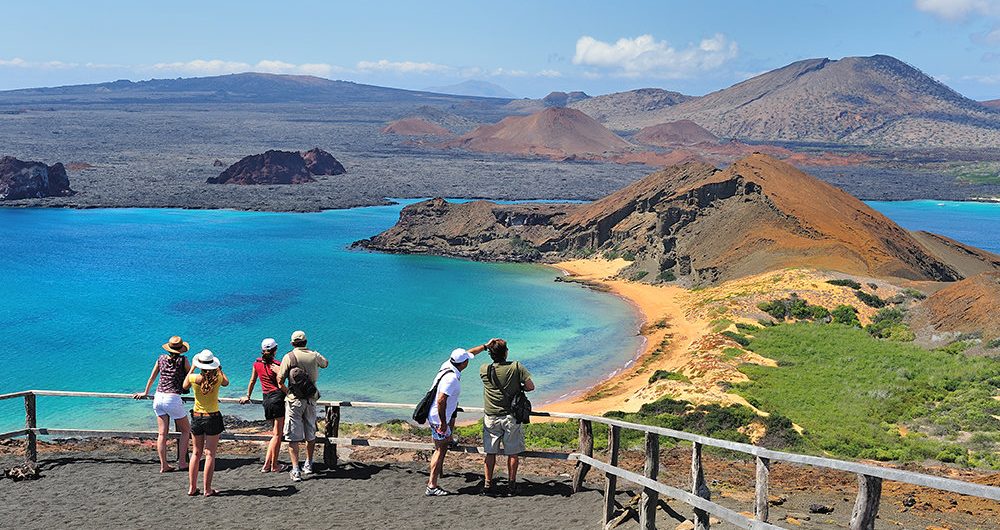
x=299 y=336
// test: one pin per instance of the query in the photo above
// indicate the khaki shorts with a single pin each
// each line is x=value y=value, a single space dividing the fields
x=300 y=420
x=503 y=430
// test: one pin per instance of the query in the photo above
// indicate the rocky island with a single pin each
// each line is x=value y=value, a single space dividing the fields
x=32 y=180
x=280 y=167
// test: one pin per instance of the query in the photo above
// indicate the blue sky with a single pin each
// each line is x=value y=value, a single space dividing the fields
x=529 y=48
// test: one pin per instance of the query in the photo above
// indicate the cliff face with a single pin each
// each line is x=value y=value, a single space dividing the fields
x=968 y=306
x=30 y=180
x=694 y=222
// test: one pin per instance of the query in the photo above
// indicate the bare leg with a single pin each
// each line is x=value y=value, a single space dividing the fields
x=274 y=448
x=491 y=462
x=184 y=426
x=162 y=429
x=199 y=448
x=437 y=461
x=512 y=463
x=293 y=453
x=211 y=442
x=310 y=449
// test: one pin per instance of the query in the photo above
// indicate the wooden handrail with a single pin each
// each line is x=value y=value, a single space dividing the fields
x=869 y=477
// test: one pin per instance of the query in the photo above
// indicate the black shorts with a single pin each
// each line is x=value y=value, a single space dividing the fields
x=274 y=405
x=210 y=425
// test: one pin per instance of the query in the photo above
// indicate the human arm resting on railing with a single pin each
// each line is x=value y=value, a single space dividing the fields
x=149 y=384
x=253 y=382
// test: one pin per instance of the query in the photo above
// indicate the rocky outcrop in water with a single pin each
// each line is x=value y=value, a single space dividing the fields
x=32 y=180
x=694 y=222
x=280 y=167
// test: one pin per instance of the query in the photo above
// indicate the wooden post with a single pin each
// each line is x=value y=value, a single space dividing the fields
x=699 y=488
x=586 y=448
x=30 y=422
x=866 y=505
x=649 y=498
x=611 y=481
x=332 y=431
x=760 y=507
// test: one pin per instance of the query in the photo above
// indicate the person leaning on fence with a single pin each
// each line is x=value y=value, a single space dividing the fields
x=297 y=377
x=206 y=419
x=443 y=411
x=266 y=369
x=502 y=380
x=167 y=403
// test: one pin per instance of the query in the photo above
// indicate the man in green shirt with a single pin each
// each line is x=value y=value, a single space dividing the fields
x=500 y=384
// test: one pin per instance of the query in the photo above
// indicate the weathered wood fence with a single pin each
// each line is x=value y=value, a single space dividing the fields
x=698 y=498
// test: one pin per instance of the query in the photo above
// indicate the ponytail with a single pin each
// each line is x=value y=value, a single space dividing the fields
x=208 y=380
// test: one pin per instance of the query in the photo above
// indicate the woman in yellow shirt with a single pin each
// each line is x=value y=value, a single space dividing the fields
x=206 y=420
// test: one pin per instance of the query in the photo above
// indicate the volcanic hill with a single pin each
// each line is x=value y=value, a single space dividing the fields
x=554 y=132
x=620 y=109
x=968 y=306
x=280 y=167
x=694 y=222
x=414 y=126
x=675 y=133
x=871 y=101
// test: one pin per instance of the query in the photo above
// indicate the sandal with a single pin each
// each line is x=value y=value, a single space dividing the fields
x=282 y=469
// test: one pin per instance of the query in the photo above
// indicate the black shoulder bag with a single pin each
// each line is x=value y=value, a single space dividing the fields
x=520 y=406
x=423 y=409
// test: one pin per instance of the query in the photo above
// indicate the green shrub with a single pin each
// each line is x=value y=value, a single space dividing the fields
x=846 y=282
x=846 y=315
x=993 y=344
x=638 y=275
x=775 y=308
x=628 y=255
x=747 y=328
x=793 y=307
x=910 y=292
x=956 y=347
x=742 y=340
x=667 y=275
x=883 y=320
x=870 y=300
x=669 y=376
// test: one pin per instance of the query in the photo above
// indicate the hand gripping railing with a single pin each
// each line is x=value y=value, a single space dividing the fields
x=699 y=498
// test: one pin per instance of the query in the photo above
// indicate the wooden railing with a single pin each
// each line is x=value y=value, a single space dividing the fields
x=699 y=497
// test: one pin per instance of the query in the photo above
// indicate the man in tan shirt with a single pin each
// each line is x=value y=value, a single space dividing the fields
x=300 y=411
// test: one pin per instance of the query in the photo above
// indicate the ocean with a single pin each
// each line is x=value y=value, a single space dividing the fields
x=88 y=297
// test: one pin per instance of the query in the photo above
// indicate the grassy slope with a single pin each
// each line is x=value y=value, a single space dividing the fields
x=852 y=393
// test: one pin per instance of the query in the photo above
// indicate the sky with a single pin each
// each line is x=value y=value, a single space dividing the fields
x=528 y=47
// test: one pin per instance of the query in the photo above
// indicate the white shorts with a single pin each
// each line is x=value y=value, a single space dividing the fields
x=169 y=405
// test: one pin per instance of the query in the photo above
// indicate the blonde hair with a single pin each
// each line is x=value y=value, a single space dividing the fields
x=208 y=380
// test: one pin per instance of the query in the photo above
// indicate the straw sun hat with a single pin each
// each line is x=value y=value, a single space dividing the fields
x=176 y=345
x=206 y=360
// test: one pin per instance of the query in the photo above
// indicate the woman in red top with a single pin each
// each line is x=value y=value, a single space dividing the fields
x=266 y=369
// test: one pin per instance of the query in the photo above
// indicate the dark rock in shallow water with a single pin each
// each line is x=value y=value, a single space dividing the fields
x=319 y=162
x=32 y=180
x=218 y=163
x=272 y=167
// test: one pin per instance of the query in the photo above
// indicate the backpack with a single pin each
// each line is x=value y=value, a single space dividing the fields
x=520 y=406
x=300 y=383
x=423 y=409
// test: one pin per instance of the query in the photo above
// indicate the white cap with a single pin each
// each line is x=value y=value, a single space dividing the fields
x=268 y=344
x=459 y=356
x=299 y=336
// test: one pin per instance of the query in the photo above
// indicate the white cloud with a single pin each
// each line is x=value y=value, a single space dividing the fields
x=549 y=73
x=644 y=55
x=985 y=79
x=218 y=67
x=505 y=72
x=18 y=62
x=958 y=9
x=402 y=67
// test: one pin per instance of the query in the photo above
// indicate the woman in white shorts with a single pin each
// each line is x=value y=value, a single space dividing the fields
x=167 y=403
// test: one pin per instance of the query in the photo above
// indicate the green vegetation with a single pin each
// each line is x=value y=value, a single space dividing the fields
x=956 y=347
x=888 y=324
x=742 y=340
x=993 y=344
x=747 y=328
x=978 y=173
x=731 y=353
x=910 y=292
x=845 y=283
x=638 y=275
x=628 y=255
x=793 y=307
x=523 y=248
x=852 y=393
x=870 y=300
x=846 y=315
x=667 y=275
x=669 y=376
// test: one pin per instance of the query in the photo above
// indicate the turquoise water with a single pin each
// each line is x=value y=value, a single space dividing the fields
x=90 y=295
x=973 y=223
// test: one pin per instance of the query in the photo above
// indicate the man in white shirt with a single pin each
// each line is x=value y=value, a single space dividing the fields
x=442 y=416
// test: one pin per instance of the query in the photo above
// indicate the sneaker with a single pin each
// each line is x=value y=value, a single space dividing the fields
x=307 y=468
x=296 y=475
x=435 y=492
